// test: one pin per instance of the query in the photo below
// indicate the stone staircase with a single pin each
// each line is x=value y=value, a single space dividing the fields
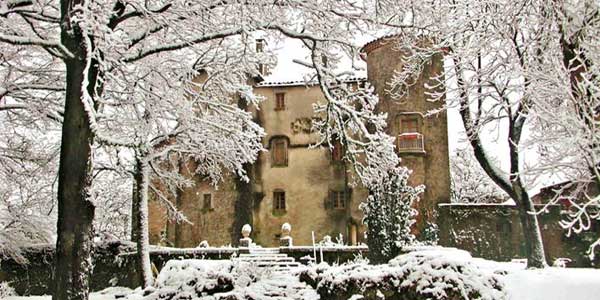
x=268 y=258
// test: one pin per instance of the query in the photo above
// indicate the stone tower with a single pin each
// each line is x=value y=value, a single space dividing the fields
x=421 y=140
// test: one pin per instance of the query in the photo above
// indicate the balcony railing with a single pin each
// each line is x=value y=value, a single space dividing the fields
x=411 y=142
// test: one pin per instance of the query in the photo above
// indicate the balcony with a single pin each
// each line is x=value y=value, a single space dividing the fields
x=410 y=143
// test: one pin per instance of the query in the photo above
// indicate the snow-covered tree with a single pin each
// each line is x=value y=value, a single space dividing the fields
x=567 y=113
x=97 y=55
x=492 y=53
x=524 y=72
x=469 y=183
x=28 y=164
x=389 y=214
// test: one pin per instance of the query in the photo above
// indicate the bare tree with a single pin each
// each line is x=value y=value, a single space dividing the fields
x=490 y=50
x=470 y=183
x=568 y=112
x=95 y=51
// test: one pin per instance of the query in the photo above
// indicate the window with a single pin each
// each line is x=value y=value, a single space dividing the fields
x=338 y=199
x=279 y=200
x=262 y=69
x=207 y=202
x=279 y=152
x=260 y=45
x=409 y=125
x=337 y=153
x=279 y=101
x=409 y=138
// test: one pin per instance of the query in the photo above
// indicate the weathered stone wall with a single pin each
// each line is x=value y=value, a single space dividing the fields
x=310 y=174
x=494 y=232
x=432 y=167
x=308 y=177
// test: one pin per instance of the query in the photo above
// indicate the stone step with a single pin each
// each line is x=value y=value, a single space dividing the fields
x=265 y=259
x=262 y=255
x=263 y=250
x=271 y=263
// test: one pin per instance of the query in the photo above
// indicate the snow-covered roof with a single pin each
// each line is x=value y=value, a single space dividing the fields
x=366 y=48
x=302 y=82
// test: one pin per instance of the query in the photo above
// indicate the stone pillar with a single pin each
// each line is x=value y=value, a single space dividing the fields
x=286 y=239
x=246 y=241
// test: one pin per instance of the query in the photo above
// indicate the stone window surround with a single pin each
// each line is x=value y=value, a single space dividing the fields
x=338 y=199
x=279 y=100
x=279 y=200
x=281 y=141
x=207 y=202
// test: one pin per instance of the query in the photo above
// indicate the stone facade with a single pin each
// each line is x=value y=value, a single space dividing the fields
x=309 y=180
x=429 y=163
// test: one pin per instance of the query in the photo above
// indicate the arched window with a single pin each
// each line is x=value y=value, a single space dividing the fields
x=279 y=152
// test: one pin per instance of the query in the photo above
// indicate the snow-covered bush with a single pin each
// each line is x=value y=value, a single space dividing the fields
x=429 y=273
x=194 y=278
x=389 y=215
x=6 y=290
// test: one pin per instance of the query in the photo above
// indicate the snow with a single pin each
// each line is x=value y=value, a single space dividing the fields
x=553 y=284
x=177 y=273
x=422 y=267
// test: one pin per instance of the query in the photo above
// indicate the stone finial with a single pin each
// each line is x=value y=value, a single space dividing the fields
x=246 y=241
x=246 y=230
x=286 y=239
x=286 y=228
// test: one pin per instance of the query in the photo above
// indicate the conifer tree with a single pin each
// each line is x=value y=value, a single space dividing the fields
x=389 y=215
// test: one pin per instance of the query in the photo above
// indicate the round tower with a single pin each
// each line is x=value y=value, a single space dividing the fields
x=421 y=140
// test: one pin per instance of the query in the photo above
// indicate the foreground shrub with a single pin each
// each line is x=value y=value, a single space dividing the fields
x=433 y=273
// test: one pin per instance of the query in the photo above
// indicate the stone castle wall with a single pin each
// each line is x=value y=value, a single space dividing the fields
x=493 y=231
x=311 y=174
x=431 y=167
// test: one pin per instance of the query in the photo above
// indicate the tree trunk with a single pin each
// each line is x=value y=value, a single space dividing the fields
x=75 y=212
x=534 y=247
x=144 y=269
x=135 y=212
x=74 y=245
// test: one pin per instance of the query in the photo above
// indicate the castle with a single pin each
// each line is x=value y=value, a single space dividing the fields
x=309 y=187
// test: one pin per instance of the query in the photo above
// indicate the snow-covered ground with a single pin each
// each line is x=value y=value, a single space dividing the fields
x=554 y=284
x=518 y=283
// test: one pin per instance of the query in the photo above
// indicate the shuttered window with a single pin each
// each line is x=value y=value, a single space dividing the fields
x=279 y=101
x=279 y=152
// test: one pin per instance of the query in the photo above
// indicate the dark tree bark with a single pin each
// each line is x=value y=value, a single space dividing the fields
x=74 y=245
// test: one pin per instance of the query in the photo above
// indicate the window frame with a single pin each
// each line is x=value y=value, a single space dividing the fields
x=210 y=205
x=410 y=139
x=283 y=162
x=279 y=200
x=279 y=101
x=409 y=118
x=260 y=45
x=337 y=198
